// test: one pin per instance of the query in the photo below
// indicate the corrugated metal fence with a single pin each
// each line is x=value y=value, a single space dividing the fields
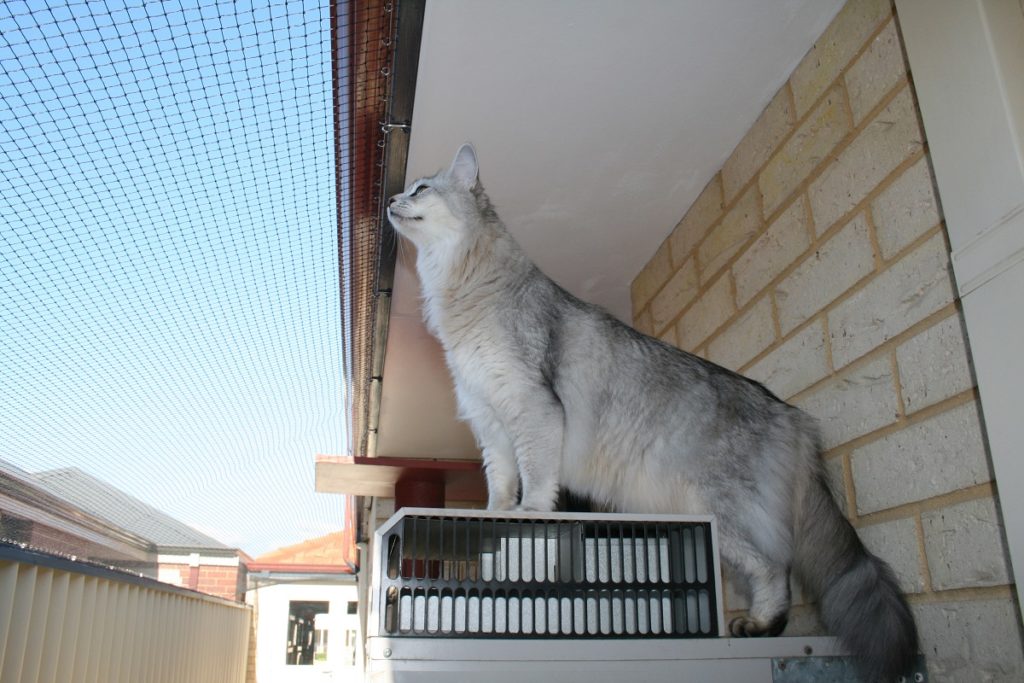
x=62 y=621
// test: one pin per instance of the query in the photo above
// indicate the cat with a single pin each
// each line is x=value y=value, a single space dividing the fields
x=560 y=394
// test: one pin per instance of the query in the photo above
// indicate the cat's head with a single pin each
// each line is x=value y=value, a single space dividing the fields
x=442 y=207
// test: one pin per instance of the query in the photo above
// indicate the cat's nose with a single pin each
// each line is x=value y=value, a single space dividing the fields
x=392 y=200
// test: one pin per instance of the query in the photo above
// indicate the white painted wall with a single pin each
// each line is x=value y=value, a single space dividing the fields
x=597 y=124
x=270 y=605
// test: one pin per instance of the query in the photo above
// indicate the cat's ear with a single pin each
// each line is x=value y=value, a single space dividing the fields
x=464 y=167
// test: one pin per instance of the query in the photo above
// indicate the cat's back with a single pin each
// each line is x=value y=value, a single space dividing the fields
x=615 y=365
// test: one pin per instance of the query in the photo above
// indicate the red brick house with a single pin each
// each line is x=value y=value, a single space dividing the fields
x=73 y=513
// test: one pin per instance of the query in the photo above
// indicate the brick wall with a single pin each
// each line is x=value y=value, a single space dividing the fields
x=816 y=262
x=223 y=581
x=174 y=573
x=250 y=661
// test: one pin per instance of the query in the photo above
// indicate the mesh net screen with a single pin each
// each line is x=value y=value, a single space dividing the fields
x=175 y=321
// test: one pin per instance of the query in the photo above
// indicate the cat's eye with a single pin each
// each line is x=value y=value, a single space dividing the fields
x=419 y=189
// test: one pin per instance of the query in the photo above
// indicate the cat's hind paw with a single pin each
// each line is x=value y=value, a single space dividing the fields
x=748 y=627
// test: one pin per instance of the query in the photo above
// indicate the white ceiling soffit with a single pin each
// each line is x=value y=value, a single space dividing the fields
x=597 y=124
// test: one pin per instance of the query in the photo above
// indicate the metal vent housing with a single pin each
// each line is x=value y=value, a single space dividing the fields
x=474 y=574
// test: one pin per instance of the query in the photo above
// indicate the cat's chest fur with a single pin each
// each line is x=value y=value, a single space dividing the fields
x=464 y=311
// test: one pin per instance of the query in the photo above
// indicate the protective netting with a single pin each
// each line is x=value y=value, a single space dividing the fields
x=173 y=312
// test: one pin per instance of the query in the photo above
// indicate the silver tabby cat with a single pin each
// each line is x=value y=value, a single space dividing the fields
x=561 y=395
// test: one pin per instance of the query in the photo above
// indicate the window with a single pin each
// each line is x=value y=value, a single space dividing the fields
x=353 y=607
x=350 y=647
x=307 y=644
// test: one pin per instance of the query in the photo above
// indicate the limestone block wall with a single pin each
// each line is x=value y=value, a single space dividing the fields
x=816 y=262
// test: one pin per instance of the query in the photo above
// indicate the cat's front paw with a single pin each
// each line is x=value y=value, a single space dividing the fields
x=532 y=508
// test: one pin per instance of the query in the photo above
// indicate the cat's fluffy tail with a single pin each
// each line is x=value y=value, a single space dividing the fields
x=858 y=598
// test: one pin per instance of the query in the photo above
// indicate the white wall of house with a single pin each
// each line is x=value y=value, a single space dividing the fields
x=972 y=54
x=271 y=607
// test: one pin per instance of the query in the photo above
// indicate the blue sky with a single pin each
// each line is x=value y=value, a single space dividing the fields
x=169 y=299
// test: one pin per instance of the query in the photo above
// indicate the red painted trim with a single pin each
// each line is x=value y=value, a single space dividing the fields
x=413 y=463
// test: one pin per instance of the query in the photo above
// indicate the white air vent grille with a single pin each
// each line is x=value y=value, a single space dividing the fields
x=443 y=573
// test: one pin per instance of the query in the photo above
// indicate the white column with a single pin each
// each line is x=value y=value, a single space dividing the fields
x=967 y=61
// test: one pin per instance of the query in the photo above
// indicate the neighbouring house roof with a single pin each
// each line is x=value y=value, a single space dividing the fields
x=117 y=507
x=9 y=468
x=323 y=550
x=334 y=553
x=60 y=527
